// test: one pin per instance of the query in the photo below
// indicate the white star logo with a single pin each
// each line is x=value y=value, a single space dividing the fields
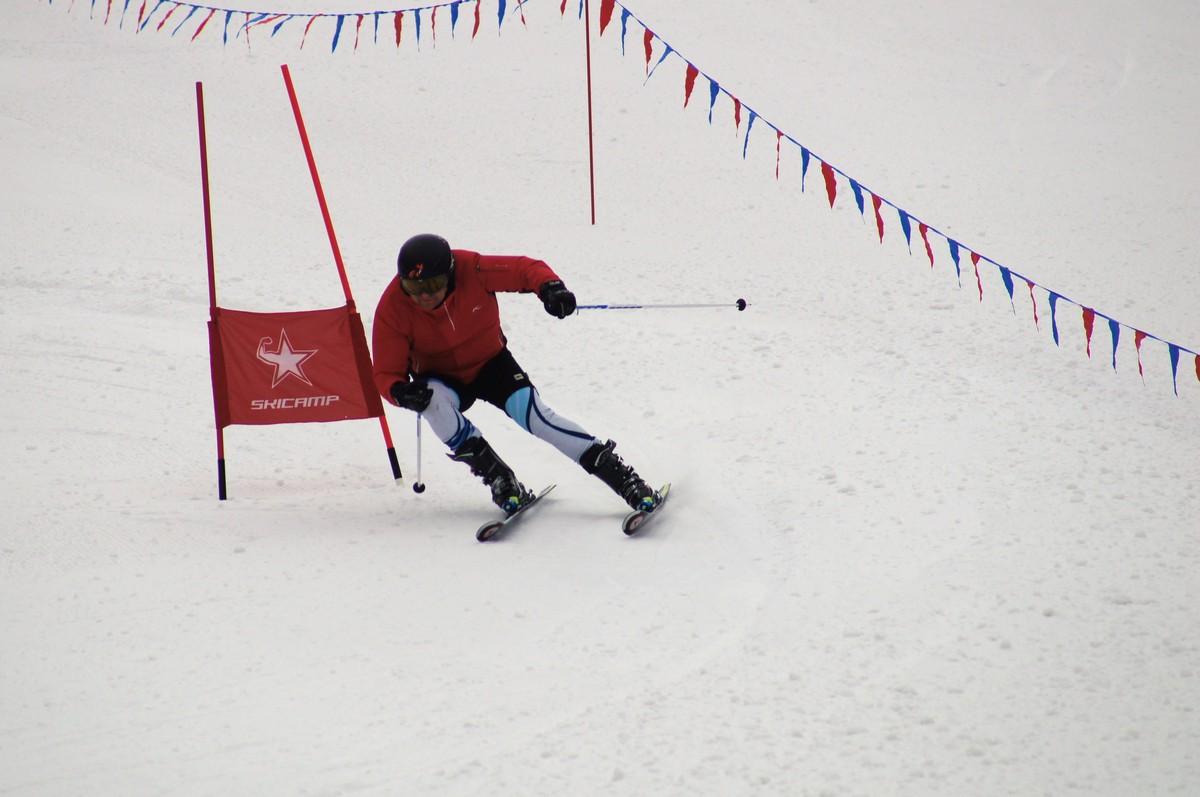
x=287 y=361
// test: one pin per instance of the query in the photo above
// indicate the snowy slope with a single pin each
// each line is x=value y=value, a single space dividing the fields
x=916 y=548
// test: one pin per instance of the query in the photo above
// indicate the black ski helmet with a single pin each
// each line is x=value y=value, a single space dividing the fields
x=424 y=256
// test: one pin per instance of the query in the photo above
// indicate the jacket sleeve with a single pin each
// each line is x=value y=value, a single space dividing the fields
x=390 y=345
x=510 y=273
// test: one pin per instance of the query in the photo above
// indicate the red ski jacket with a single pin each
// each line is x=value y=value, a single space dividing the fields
x=462 y=333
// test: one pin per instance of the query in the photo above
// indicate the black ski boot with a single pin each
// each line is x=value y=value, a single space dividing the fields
x=507 y=492
x=602 y=462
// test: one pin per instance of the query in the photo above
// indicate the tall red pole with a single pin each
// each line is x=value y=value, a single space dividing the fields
x=337 y=252
x=213 y=338
x=587 y=37
x=208 y=236
x=312 y=168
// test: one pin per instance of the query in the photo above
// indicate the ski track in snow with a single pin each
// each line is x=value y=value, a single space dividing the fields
x=913 y=547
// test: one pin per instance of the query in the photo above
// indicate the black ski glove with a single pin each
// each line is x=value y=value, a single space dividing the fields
x=559 y=301
x=413 y=396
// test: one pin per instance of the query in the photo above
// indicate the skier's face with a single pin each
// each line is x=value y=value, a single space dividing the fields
x=426 y=293
x=428 y=301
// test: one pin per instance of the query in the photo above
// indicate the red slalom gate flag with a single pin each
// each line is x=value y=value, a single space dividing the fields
x=296 y=367
x=309 y=366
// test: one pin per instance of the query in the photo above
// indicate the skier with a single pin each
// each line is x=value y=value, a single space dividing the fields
x=438 y=346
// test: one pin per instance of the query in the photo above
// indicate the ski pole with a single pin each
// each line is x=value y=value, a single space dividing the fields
x=418 y=485
x=740 y=304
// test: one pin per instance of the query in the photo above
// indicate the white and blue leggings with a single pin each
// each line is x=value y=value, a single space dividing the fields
x=525 y=406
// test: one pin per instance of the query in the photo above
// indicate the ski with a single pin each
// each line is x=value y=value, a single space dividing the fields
x=634 y=521
x=489 y=530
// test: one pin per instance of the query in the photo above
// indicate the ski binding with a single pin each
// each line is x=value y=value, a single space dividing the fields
x=493 y=528
x=635 y=520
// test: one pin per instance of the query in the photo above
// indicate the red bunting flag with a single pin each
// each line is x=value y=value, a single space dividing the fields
x=433 y=25
x=398 y=24
x=978 y=281
x=648 y=45
x=830 y=182
x=1033 y=299
x=202 y=24
x=606 y=12
x=1089 y=322
x=107 y=11
x=357 y=30
x=1198 y=366
x=562 y=10
x=475 y=29
x=778 y=144
x=737 y=113
x=141 y=13
x=924 y=230
x=689 y=83
x=162 y=22
x=877 y=203
x=1138 y=337
x=304 y=36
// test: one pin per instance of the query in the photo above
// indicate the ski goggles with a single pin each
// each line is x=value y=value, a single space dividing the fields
x=429 y=285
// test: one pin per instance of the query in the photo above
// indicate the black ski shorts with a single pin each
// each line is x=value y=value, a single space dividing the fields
x=499 y=378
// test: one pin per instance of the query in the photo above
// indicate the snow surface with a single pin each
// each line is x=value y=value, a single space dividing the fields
x=915 y=548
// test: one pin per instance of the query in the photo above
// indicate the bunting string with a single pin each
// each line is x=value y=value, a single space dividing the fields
x=832 y=176
x=177 y=16
x=193 y=19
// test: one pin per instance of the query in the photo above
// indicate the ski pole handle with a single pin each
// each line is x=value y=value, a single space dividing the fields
x=740 y=304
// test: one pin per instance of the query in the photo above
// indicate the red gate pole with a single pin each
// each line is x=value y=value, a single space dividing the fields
x=337 y=252
x=312 y=168
x=587 y=37
x=213 y=338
